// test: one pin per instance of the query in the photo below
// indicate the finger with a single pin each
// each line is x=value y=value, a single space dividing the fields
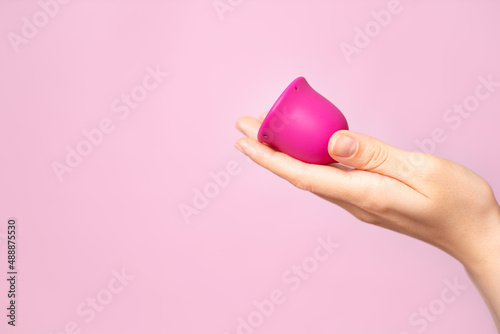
x=249 y=126
x=369 y=191
x=325 y=180
x=341 y=166
x=354 y=210
x=262 y=116
x=370 y=154
x=390 y=219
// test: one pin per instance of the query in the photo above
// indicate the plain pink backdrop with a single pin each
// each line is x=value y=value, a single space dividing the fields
x=120 y=207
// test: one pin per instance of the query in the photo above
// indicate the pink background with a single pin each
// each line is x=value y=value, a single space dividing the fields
x=119 y=209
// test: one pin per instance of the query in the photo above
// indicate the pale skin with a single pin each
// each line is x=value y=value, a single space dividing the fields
x=423 y=196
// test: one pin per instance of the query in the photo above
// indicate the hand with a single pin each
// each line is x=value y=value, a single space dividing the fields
x=417 y=194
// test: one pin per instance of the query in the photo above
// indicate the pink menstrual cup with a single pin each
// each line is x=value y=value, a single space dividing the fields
x=301 y=122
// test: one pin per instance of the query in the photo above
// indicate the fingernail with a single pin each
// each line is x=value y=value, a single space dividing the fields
x=344 y=146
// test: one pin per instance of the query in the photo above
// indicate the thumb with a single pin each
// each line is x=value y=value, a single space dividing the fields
x=366 y=153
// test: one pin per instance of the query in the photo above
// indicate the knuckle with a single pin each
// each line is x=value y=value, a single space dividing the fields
x=301 y=184
x=374 y=203
x=422 y=165
x=415 y=160
x=369 y=218
x=433 y=165
x=377 y=157
x=376 y=206
x=301 y=180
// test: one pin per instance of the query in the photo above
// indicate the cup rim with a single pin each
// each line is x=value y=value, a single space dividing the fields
x=269 y=115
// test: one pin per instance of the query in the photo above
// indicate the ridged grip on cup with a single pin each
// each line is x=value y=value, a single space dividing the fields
x=301 y=122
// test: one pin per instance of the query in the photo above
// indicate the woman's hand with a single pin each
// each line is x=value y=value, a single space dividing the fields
x=417 y=194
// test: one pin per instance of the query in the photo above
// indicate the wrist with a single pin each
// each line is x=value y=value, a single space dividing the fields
x=483 y=267
x=483 y=254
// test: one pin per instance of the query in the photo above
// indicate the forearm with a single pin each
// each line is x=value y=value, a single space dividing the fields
x=489 y=287
x=484 y=272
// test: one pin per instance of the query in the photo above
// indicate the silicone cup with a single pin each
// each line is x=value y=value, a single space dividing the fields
x=301 y=122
